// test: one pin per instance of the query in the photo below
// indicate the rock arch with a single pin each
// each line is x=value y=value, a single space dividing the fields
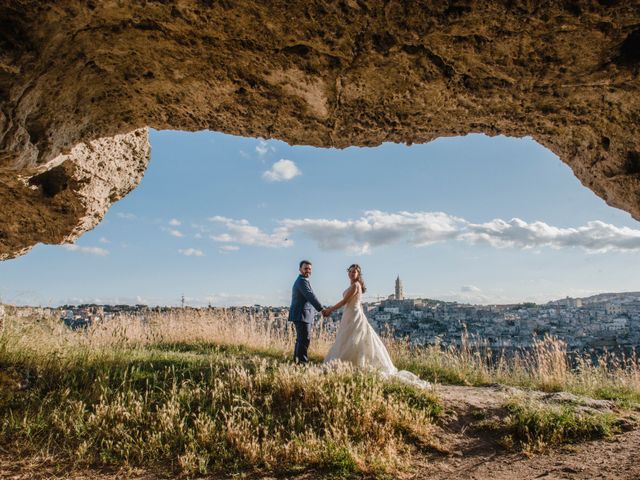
x=81 y=80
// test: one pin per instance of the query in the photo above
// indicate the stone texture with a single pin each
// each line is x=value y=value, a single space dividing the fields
x=334 y=73
x=70 y=194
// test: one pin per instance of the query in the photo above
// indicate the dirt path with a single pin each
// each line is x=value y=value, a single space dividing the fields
x=616 y=459
x=479 y=456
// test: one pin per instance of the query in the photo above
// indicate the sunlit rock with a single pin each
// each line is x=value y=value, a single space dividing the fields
x=308 y=72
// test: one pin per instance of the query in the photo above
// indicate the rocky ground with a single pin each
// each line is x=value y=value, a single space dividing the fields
x=475 y=454
x=465 y=450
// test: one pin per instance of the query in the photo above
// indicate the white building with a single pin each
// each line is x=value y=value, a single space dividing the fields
x=613 y=309
x=618 y=324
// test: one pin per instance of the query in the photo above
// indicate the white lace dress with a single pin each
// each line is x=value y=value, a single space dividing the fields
x=359 y=344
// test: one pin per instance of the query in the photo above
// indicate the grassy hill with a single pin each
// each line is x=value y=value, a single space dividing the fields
x=205 y=394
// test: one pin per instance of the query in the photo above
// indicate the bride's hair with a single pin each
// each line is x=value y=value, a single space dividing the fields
x=360 y=279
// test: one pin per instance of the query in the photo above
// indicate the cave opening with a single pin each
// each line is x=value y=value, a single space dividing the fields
x=470 y=218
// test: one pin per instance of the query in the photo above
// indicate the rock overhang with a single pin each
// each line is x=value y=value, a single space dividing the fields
x=80 y=81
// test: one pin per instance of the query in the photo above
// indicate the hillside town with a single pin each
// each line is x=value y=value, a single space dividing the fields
x=606 y=321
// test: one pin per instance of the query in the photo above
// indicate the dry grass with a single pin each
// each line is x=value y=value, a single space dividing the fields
x=210 y=391
x=199 y=393
x=546 y=366
x=191 y=326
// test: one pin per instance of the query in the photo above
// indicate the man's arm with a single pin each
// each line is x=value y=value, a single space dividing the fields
x=307 y=293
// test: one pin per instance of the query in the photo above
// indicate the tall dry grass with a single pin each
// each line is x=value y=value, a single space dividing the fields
x=546 y=366
x=214 y=390
x=199 y=392
x=190 y=326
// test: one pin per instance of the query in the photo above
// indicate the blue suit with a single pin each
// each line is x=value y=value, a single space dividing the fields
x=301 y=313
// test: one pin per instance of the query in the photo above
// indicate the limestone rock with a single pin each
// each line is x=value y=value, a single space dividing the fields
x=324 y=73
x=69 y=195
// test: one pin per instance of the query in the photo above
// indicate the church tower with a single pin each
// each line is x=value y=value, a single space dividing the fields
x=399 y=290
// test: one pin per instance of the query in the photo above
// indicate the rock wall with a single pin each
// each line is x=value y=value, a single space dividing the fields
x=76 y=78
x=70 y=194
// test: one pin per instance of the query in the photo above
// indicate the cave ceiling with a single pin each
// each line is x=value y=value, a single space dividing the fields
x=80 y=83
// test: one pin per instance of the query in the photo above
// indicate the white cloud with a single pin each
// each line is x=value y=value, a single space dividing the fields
x=474 y=297
x=263 y=147
x=242 y=232
x=174 y=222
x=282 y=171
x=376 y=229
x=176 y=233
x=191 y=252
x=234 y=299
x=223 y=299
x=117 y=300
x=101 y=252
x=469 y=289
x=103 y=240
x=126 y=216
x=229 y=248
x=595 y=236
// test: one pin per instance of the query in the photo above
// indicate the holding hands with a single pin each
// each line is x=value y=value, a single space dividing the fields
x=356 y=286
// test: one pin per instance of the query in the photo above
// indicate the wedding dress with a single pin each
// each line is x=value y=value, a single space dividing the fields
x=358 y=343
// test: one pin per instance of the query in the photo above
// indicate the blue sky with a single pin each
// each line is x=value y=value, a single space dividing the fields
x=225 y=219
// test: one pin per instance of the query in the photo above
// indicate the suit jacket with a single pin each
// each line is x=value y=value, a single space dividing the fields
x=303 y=301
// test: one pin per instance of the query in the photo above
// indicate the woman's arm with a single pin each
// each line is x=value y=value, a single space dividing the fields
x=347 y=296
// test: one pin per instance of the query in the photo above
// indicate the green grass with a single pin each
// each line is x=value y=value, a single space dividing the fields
x=438 y=372
x=536 y=426
x=202 y=408
x=416 y=398
x=207 y=348
x=624 y=397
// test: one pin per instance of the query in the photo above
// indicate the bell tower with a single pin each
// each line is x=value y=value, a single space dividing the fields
x=399 y=289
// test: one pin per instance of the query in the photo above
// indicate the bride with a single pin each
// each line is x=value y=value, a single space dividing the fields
x=356 y=340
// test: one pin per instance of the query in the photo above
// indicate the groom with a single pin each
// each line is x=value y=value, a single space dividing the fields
x=301 y=311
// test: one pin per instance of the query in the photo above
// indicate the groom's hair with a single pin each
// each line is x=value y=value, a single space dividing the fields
x=304 y=262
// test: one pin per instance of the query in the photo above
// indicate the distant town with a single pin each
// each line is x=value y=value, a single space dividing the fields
x=605 y=321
